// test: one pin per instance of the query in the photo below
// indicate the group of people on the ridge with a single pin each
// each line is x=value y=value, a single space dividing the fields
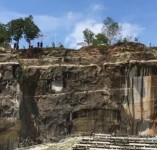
x=39 y=45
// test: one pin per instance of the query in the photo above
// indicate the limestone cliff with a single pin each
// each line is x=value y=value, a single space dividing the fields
x=59 y=92
x=10 y=96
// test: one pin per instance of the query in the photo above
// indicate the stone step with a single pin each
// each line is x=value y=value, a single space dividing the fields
x=100 y=141
x=126 y=141
x=121 y=149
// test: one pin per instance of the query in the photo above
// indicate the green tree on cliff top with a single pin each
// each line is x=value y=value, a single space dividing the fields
x=88 y=36
x=100 y=39
x=31 y=30
x=111 y=29
x=4 y=35
x=16 y=29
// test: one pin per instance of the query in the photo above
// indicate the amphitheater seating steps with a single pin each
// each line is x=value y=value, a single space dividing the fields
x=107 y=142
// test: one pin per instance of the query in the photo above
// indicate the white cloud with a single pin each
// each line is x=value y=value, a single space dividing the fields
x=77 y=34
x=73 y=16
x=128 y=30
x=97 y=7
x=51 y=23
x=52 y=26
x=131 y=30
x=45 y=22
x=48 y=24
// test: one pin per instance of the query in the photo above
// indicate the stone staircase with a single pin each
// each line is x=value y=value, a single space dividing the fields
x=107 y=142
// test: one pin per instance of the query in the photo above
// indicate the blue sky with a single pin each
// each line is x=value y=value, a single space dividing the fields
x=64 y=20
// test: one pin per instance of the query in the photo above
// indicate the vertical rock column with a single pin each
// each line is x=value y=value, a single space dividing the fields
x=10 y=96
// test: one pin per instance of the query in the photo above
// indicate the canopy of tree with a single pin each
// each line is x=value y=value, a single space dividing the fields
x=111 y=29
x=31 y=30
x=4 y=34
x=17 y=29
x=100 y=39
x=91 y=39
x=111 y=33
x=88 y=36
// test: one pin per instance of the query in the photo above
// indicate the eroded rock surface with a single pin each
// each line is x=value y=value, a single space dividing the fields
x=10 y=96
x=59 y=92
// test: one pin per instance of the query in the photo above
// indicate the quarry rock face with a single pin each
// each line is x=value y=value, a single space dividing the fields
x=51 y=93
x=10 y=96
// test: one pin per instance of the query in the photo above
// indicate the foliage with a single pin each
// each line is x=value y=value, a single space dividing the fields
x=88 y=36
x=111 y=29
x=100 y=39
x=128 y=39
x=19 y=28
x=31 y=30
x=4 y=35
x=110 y=32
x=16 y=29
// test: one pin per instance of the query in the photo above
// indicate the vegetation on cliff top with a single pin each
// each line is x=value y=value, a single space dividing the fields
x=110 y=34
x=17 y=29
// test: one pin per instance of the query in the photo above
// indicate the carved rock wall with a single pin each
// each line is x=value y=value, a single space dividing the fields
x=10 y=96
x=69 y=92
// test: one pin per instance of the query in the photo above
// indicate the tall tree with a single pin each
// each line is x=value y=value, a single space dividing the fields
x=5 y=36
x=16 y=29
x=88 y=36
x=111 y=29
x=31 y=30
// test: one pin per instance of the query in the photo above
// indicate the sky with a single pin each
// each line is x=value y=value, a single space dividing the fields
x=63 y=21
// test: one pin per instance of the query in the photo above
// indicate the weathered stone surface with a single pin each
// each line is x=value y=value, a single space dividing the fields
x=10 y=96
x=62 y=92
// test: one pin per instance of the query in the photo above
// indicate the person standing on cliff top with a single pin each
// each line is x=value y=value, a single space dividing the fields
x=38 y=44
x=41 y=44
